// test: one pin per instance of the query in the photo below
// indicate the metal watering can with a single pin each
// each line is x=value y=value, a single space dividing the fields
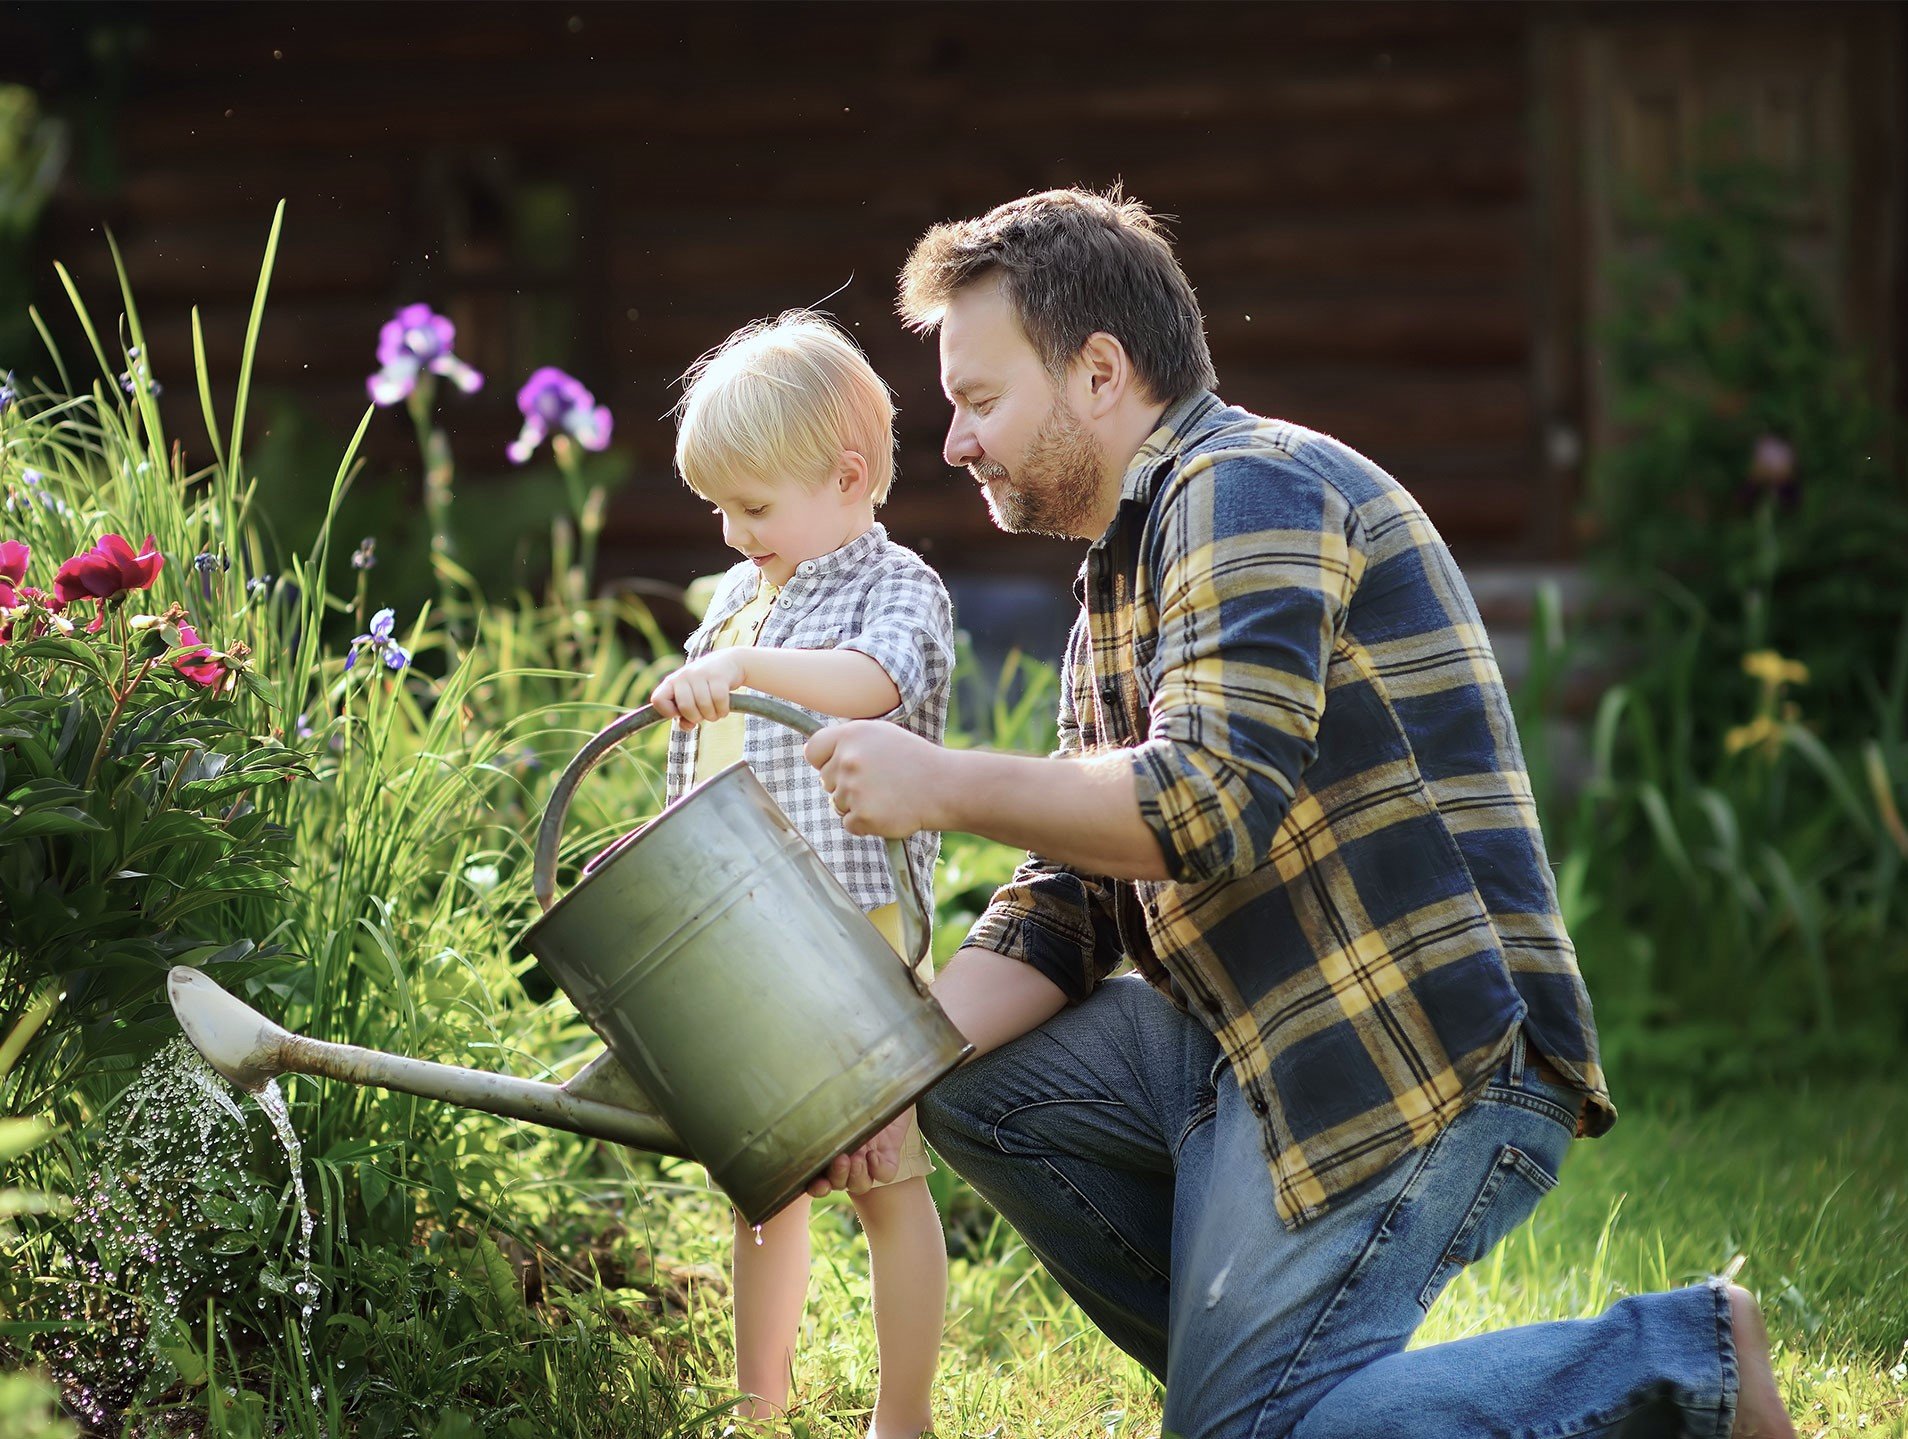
x=756 y=1021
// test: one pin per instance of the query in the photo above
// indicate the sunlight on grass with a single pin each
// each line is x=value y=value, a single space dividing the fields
x=1810 y=1189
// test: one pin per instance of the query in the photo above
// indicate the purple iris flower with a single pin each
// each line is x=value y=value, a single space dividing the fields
x=7 y=393
x=551 y=400
x=416 y=339
x=380 y=639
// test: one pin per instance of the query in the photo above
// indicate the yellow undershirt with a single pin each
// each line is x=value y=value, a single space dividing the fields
x=719 y=743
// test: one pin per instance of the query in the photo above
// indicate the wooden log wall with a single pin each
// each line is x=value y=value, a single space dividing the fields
x=613 y=188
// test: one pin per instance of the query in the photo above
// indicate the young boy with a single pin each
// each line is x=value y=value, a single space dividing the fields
x=788 y=432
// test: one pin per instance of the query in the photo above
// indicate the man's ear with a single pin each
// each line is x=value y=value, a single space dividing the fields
x=1107 y=371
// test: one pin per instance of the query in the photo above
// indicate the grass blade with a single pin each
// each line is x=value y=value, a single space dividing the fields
x=86 y=323
x=205 y=387
x=251 y=339
x=59 y=362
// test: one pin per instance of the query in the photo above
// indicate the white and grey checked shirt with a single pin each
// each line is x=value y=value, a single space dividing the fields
x=879 y=599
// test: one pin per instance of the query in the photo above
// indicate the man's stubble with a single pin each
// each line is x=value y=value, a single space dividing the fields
x=1056 y=488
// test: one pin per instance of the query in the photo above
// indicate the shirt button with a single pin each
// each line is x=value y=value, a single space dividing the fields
x=1258 y=1105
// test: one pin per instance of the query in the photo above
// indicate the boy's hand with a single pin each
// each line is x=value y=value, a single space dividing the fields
x=699 y=691
x=876 y=1162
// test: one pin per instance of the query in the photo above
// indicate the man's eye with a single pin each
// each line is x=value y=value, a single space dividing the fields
x=981 y=407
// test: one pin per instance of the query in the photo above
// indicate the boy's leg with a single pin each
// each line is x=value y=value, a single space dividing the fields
x=908 y=1258
x=771 y=1286
x=1073 y=1132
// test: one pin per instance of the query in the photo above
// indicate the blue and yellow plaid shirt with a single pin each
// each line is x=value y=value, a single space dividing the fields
x=1360 y=907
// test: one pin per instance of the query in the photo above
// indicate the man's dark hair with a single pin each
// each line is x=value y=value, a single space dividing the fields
x=1072 y=262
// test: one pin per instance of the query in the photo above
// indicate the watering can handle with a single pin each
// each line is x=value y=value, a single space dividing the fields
x=914 y=927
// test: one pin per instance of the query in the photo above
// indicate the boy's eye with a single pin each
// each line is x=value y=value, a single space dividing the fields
x=755 y=512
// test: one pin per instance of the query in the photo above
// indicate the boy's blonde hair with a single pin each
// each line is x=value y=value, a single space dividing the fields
x=782 y=399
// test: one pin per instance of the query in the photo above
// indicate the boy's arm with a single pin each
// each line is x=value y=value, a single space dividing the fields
x=837 y=682
x=833 y=682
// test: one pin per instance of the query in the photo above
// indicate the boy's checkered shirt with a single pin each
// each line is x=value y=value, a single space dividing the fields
x=882 y=600
x=1360 y=908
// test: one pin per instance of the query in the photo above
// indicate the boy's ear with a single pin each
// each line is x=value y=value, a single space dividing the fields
x=851 y=476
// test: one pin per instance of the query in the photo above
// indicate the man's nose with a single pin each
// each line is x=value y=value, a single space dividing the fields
x=961 y=447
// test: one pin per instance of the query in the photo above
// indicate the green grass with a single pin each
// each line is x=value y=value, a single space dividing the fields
x=1809 y=1189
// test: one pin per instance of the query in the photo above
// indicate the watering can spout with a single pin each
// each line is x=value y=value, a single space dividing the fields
x=236 y=1040
x=248 y=1049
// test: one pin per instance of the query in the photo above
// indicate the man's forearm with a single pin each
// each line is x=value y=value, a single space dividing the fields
x=1082 y=812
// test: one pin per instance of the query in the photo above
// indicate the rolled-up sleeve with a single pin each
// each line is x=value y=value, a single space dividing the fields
x=1253 y=560
x=1057 y=920
x=908 y=629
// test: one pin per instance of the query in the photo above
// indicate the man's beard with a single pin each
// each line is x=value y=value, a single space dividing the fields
x=1058 y=484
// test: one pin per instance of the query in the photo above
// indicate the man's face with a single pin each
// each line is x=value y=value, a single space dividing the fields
x=1013 y=429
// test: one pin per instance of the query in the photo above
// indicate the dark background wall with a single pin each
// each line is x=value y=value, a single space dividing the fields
x=1396 y=215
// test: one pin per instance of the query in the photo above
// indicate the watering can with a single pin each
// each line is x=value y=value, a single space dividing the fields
x=755 y=1019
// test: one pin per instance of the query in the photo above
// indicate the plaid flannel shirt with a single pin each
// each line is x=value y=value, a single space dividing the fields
x=884 y=601
x=1360 y=908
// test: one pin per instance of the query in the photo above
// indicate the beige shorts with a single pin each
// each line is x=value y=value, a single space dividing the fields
x=914 y=1155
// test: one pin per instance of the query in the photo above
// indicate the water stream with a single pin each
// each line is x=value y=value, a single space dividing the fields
x=178 y=1213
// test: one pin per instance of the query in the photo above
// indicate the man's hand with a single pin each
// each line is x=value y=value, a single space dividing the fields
x=884 y=779
x=699 y=691
x=876 y=1162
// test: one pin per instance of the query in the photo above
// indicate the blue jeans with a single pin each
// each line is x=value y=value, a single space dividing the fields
x=1115 y=1140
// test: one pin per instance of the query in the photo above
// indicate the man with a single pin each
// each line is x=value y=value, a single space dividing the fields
x=1289 y=789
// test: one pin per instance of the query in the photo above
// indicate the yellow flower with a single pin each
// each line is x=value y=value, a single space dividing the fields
x=1761 y=732
x=1773 y=670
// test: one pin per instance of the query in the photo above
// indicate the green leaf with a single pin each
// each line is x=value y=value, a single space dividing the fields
x=456 y=1424
x=17 y=1136
x=1656 y=810
x=64 y=820
x=225 y=1213
x=79 y=654
x=484 y=1267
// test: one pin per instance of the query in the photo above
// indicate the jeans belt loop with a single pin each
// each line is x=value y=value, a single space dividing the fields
x=1517 y=1058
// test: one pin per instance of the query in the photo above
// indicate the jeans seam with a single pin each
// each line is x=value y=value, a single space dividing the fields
x=1205 y=1113
x=1731 y=1374
x=1112 y=1230
x=1352 y=1276
x=1535 y=1103
x=1486 y=1197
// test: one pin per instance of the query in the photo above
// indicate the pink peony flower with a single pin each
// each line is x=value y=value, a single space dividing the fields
x=108 y=570
x=198 y=664
x=13 y=563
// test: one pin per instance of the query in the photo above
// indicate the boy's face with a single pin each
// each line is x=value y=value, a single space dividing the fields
x=780 y=523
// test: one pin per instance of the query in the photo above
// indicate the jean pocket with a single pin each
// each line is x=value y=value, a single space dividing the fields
x=1511 y=1190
